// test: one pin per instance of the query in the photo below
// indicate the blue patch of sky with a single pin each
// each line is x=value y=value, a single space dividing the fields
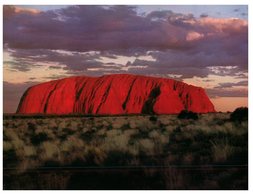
x=217 y=11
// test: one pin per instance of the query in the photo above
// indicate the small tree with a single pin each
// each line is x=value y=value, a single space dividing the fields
x=185 y=114
x=240 y=114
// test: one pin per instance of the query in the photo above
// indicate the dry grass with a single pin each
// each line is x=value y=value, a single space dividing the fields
x=134 y=140
x=29 y=144
x=221 y=150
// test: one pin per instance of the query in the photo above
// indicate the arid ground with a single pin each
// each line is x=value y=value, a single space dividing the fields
x=125 y=152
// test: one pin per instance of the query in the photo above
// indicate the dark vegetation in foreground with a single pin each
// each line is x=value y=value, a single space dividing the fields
x=127 y=152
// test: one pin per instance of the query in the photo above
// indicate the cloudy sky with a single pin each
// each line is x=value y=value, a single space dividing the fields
x=203 y=45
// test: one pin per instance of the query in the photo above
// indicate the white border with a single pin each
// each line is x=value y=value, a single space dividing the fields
x=142 y=2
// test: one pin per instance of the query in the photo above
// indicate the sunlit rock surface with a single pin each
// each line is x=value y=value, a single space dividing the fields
x=114 y=94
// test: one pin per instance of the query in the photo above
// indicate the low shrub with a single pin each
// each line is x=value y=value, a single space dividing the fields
x=239 y=114
x=37 y=139
x=185 y=114
x=153 y=118
x=31 y=126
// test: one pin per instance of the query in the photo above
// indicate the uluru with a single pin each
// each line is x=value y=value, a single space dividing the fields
x=114 y=94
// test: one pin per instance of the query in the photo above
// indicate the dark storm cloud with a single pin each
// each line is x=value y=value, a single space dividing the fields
x=85 y=28
x=73 y=60
x=76 y=38
x=180 y=43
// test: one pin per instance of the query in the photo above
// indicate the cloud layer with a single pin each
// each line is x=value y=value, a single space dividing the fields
x=173 y=39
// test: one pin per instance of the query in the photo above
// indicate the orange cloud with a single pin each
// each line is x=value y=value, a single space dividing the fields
x=26 y=10
x=193 y=36
x=223 y=24
x=9 y=10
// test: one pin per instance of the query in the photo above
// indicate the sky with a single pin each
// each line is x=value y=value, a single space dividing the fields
x=205 y=45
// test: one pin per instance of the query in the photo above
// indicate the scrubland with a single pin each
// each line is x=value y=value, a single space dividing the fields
x=125 y=152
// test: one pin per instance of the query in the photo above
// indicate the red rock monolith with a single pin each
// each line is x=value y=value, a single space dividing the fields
x=114 y=94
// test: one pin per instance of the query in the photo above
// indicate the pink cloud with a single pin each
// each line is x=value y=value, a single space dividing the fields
x=26 y=10
x=192 y=36
x=177 y=41
x=222 y=25
x=10 y=10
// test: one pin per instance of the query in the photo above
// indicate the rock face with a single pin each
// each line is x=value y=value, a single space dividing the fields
x=114 y=94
